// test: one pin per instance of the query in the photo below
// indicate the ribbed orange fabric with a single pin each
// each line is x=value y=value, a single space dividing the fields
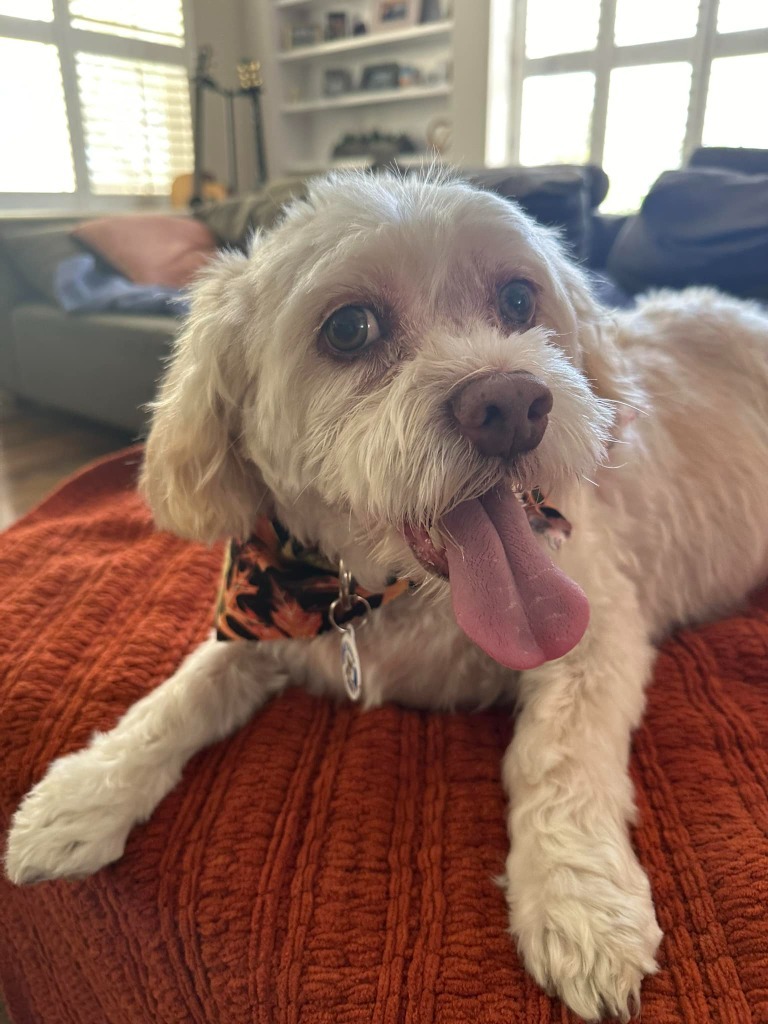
x=327 y=866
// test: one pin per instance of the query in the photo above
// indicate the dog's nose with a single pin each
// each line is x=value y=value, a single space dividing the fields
x=503 y=413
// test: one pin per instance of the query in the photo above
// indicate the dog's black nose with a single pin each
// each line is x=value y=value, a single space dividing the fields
x=503 y=414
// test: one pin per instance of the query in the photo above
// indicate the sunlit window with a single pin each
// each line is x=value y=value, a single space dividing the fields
x=557 y=111
x=141 y=19
x=632 y=165
x=652 y=21
x=38 y=160
x=633 y=87
x=561 y=26
x=34 y=10
x=741 y=15
x=103 y=105
x=730 y=121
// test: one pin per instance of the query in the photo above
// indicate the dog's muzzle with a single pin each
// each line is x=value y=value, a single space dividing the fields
x=503 y=414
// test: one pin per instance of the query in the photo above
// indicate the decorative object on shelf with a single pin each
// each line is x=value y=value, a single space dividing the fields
x=381 y=76
x=439 y=73
x=250 y=85
x=337 y=25
x=302 y=35
x=381 y=148
x=336 y=81
x=350 y=145
x=432 y=10
x=359 y=28
x=394 y=14
x=408 y=76
x=440 y=134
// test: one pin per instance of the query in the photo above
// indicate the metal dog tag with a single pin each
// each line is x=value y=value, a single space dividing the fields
x=346 y=602
x=350 y=664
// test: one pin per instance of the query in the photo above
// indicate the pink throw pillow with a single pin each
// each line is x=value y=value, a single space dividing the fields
x=150 y=248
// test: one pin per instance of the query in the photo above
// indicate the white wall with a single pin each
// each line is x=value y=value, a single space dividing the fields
x=470 y=81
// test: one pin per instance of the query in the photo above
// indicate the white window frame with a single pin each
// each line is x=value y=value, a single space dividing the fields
x=699 y=50
x=70 y=41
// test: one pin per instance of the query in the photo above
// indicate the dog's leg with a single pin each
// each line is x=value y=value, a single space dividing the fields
x=580 y=904
x=77 y=818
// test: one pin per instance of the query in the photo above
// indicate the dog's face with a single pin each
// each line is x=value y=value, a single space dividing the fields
x=325 y=376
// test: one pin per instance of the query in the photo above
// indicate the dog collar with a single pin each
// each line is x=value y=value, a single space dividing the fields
x=274 y=588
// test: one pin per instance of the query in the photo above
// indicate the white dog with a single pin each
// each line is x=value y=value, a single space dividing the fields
x=382 y=374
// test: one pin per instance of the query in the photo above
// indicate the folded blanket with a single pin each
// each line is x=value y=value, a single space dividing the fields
x=83 y=284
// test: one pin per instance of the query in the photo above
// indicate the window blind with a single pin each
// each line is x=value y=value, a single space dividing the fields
x=153 y=21
x=137 y=125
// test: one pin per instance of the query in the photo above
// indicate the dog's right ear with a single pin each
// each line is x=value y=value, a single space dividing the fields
x=195 y=478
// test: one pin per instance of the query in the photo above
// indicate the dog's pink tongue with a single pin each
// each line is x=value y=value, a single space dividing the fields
x=508 y=596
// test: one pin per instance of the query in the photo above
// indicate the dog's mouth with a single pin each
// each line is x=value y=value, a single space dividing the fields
x=428 y=547
x=508 y=596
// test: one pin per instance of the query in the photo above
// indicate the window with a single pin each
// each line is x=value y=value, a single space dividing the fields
x=95 y=100
x=633 y=86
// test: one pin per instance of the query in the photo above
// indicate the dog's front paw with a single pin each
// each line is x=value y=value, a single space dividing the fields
x=585 y=938
x=73 y=822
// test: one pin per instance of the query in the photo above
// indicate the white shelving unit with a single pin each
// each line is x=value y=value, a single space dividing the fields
x=305 y=124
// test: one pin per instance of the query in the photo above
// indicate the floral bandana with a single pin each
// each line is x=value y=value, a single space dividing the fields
x=273 y=588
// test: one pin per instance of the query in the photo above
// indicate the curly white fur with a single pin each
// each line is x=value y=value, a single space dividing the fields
x=668 y=527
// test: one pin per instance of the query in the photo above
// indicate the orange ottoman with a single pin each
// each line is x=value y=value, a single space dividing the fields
x=327 y=866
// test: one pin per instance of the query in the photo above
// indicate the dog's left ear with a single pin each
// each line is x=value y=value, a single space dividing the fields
x=195 y=477
x=603 y=362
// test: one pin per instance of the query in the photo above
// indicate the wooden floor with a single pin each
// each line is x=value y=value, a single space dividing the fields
x=39 y=448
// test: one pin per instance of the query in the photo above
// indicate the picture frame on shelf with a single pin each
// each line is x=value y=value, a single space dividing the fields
x=380 y=76
x=336 y=25
x=389 y=15
x=297 y=36
x=336 y=82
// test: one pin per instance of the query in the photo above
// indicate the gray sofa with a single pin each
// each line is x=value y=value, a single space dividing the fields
x=103 y=366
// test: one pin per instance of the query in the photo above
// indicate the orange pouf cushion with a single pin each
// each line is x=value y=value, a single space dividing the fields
x=328 y=866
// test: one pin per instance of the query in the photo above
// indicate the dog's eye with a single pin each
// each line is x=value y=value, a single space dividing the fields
x=517 y=302
x=351 y=329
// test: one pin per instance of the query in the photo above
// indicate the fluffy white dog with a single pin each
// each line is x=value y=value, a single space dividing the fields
x=384 y=374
